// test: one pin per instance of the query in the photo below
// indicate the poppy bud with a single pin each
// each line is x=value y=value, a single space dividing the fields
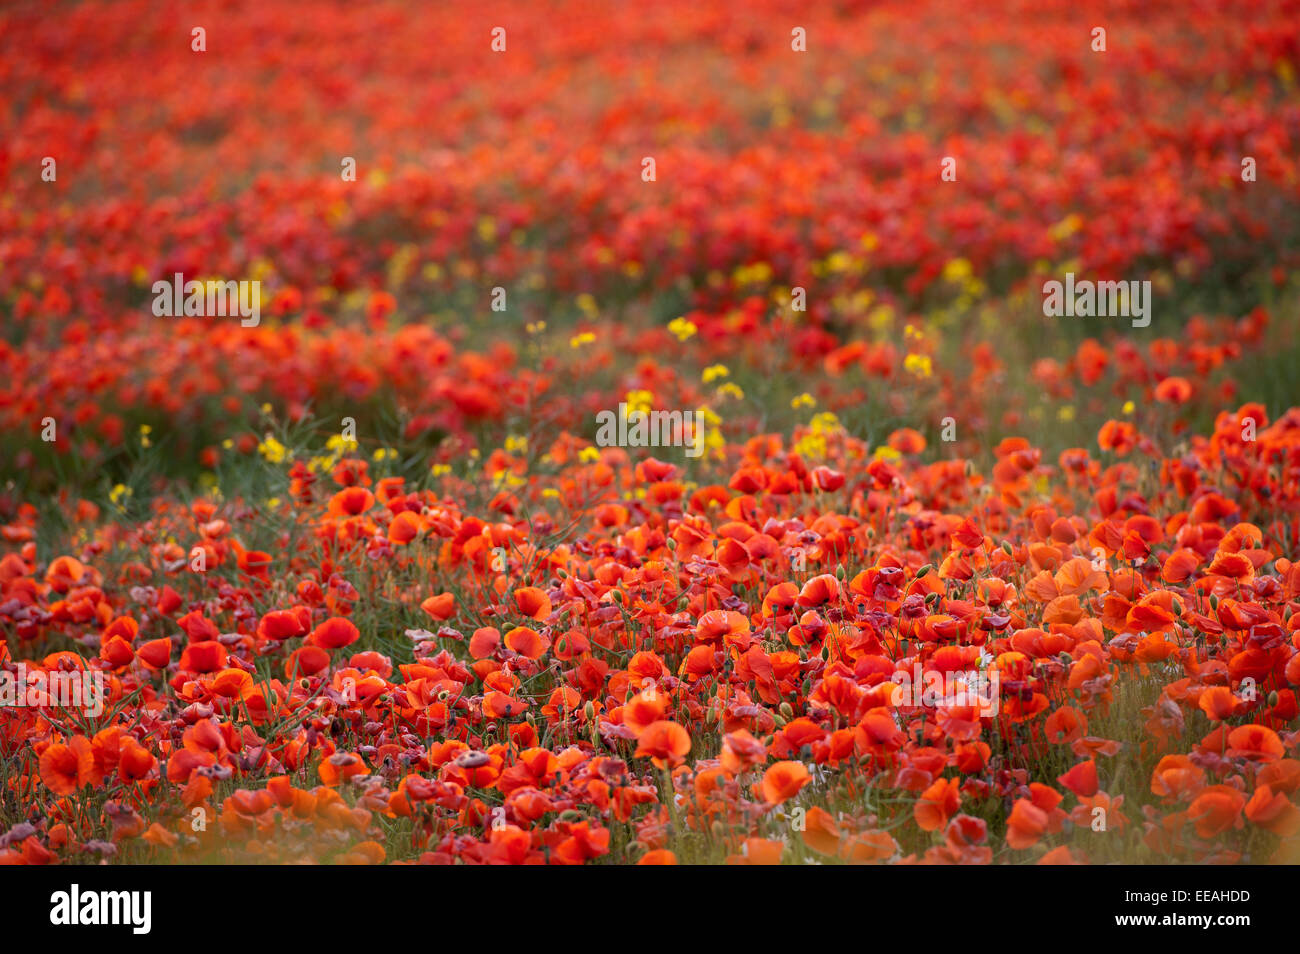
x=589 y=710
x=1214 y=602
x=1273 y=699
x=924 y=570
x=1177 y=606
x=839 y=573
x=672 y=544
x=618 y=597
x=1007 y=548
x=780 y=720
x=562 y=573
x=787 y=710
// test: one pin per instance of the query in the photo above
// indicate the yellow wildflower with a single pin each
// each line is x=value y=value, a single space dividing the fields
x=682 y=328
x=272 y=450
x=638 y=400
x=918 y=365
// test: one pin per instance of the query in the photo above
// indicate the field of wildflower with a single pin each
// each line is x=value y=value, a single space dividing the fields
x=382 y=563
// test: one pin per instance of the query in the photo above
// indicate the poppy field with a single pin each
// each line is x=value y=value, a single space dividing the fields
x=674 y=433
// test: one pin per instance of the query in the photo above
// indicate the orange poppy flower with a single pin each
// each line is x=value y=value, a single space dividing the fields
x=335 y=633
x=937 y=804
x=67 y=767
x=783 y=780
x=1216 y=809
x=665 y=742
x=532 y=602
x=527 y=642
